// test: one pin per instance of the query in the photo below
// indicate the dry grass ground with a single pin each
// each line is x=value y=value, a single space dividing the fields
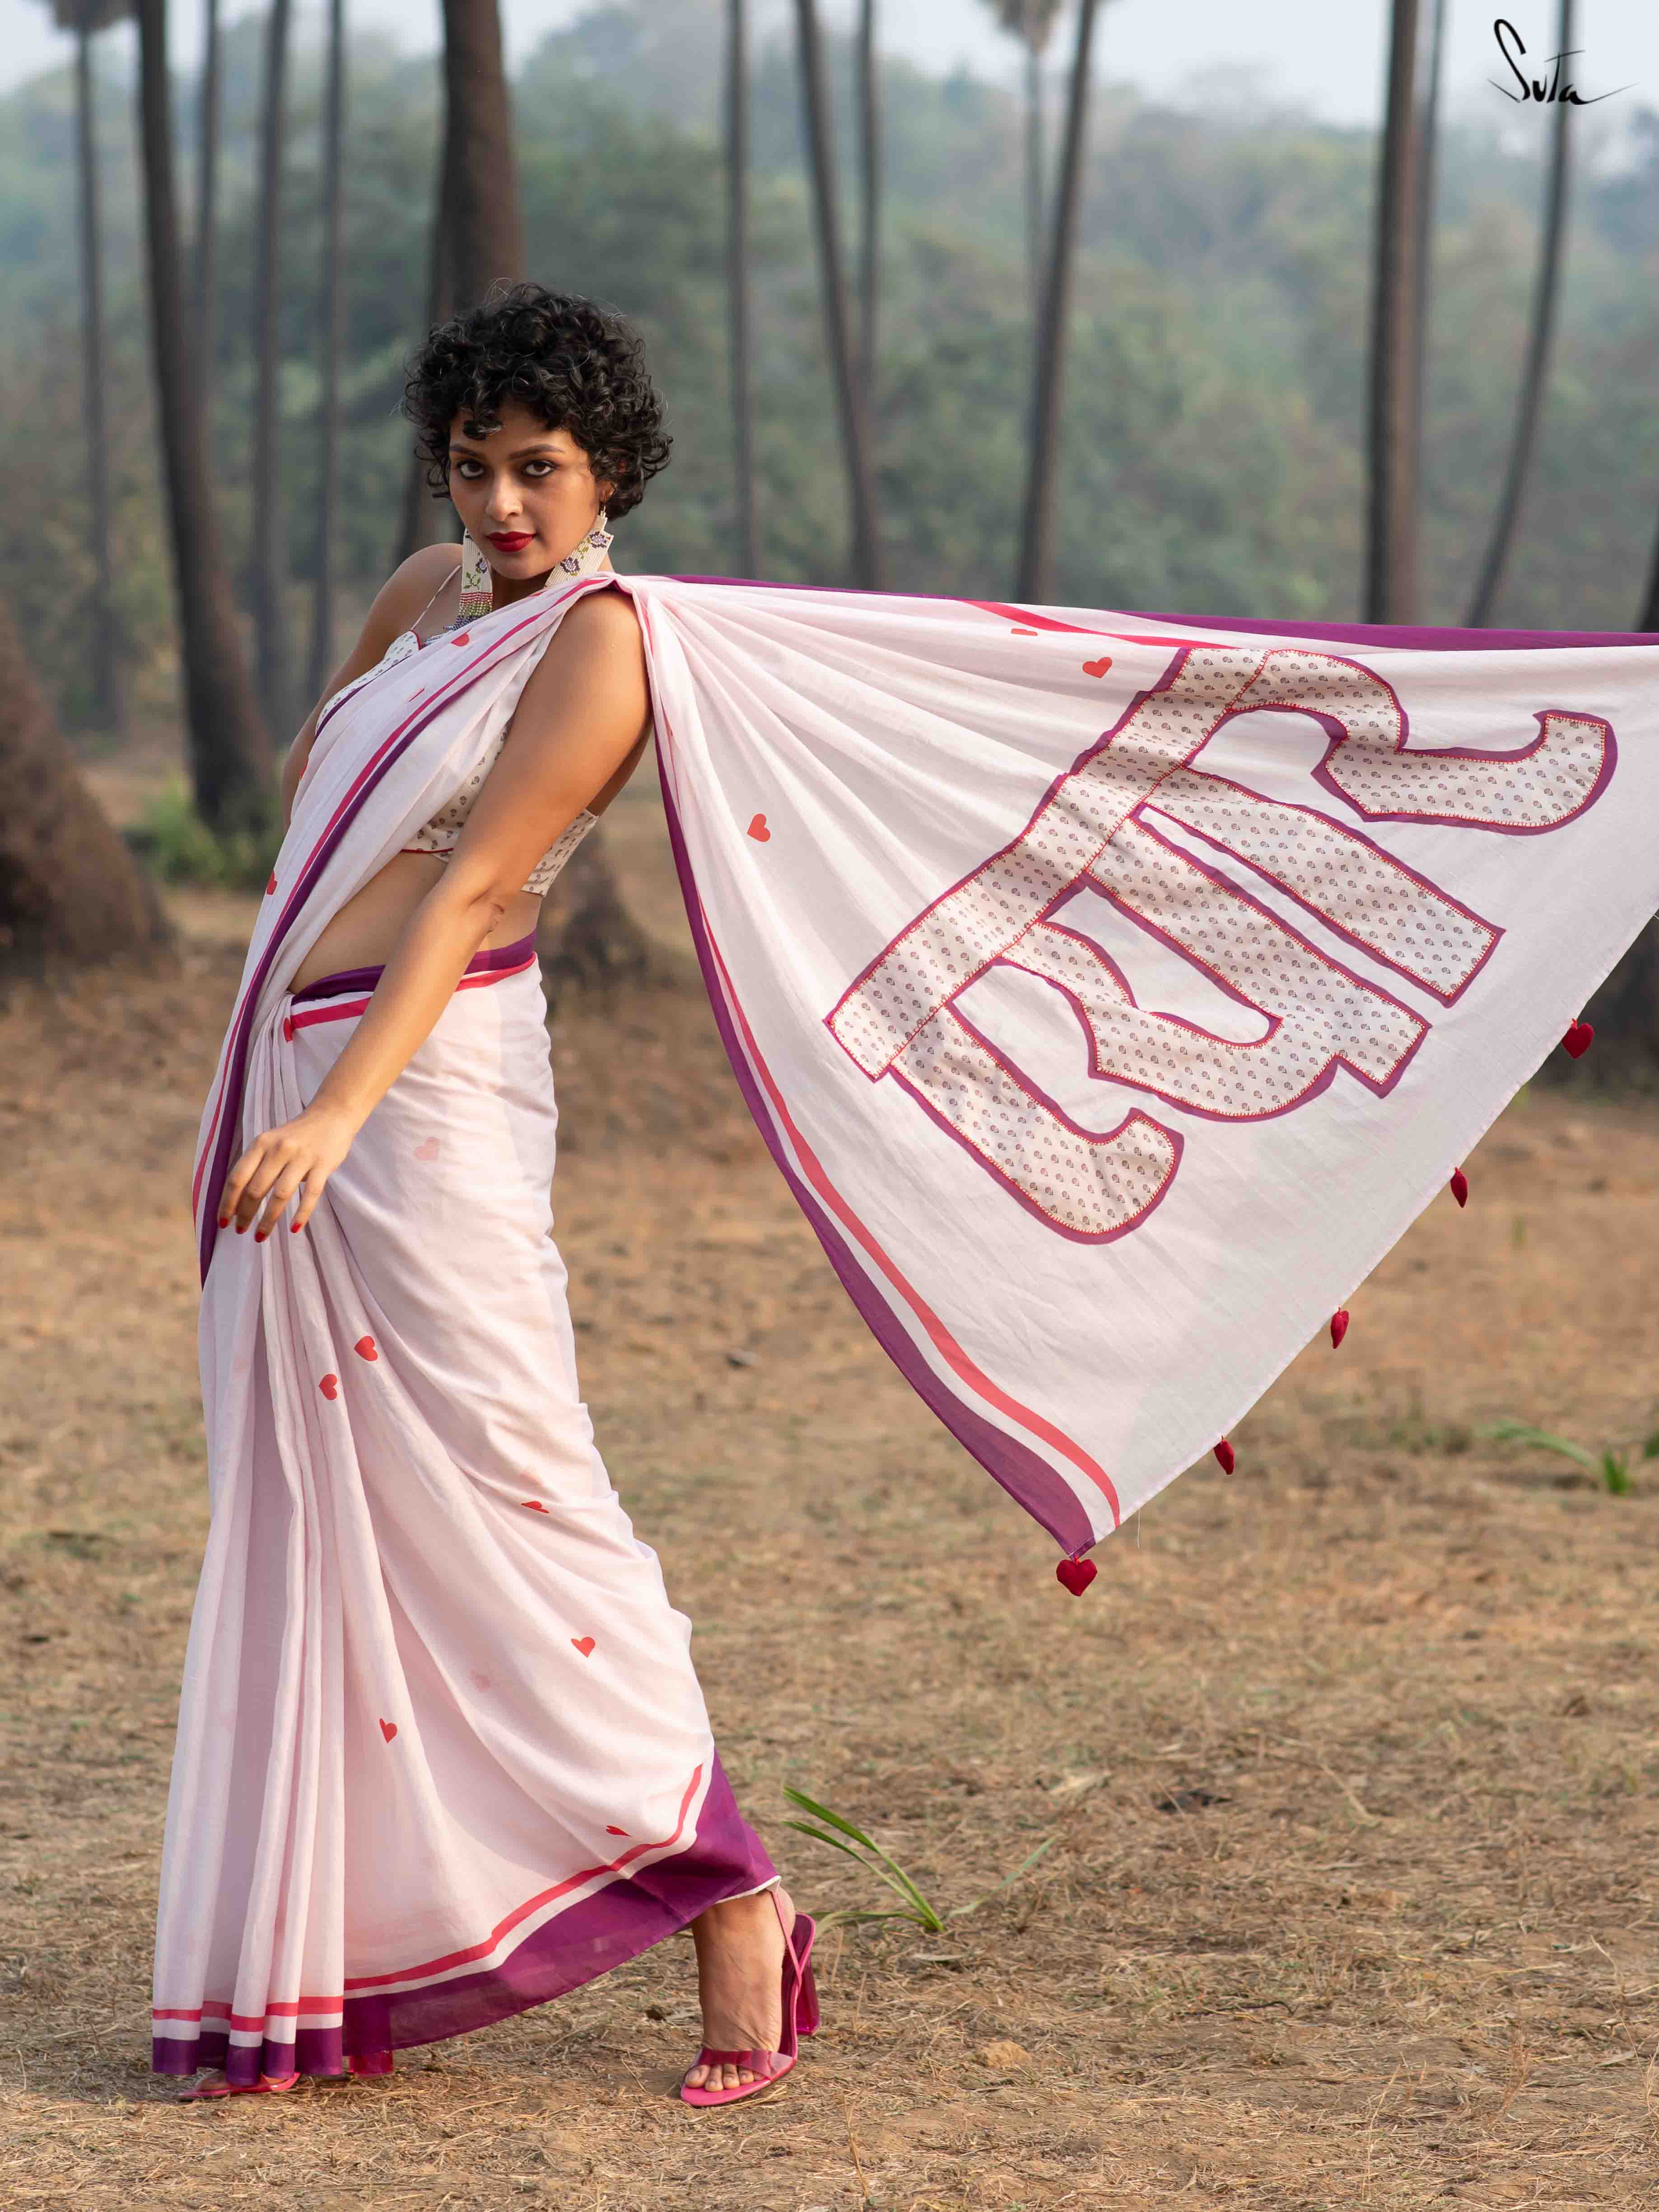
x=1410 y=1956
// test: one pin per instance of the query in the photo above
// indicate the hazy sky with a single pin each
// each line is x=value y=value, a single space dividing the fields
x=1326 y=53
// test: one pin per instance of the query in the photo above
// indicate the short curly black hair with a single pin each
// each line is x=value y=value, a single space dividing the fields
x=578 y=366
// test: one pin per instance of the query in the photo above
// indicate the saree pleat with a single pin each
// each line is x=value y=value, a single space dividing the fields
x=442 y=1751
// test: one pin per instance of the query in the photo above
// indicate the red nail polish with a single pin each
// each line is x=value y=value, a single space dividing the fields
x=241 y=1229
x=294 y=1226
x=260 y=1234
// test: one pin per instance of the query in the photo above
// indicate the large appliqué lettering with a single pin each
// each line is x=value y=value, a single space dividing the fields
x=1103 y=830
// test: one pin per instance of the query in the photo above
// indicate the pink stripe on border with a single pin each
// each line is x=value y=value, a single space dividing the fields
x=218 y=2009
x=349 y=1007
x=531 y=1905
x=1029 y=618
x=214 y=2008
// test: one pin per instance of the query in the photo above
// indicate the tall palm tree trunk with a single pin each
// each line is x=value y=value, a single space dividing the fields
x=269 y=526
x=333 y=322
x=207 y=199
x=232 y=771
x=1034 y=169
x=737 y=287
x=484 y=224
x=105 y=642
x=1423 y=251
x=1389 y=591
x=1535 y=371
x=1648 y=618
x=832 y=278
x=421 y=520
x=870 y=203
x=1037 y=528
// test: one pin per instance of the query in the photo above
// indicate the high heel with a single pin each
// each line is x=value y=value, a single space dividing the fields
x=800 y=2017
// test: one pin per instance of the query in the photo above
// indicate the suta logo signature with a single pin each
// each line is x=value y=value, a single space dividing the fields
x=1554 y=88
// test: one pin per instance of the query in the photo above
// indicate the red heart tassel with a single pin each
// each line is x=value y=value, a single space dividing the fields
x=1076 y=1575
x=1224 y=1452
x=1459 y=1186
x=1339 y=1326
x=1578 y=1040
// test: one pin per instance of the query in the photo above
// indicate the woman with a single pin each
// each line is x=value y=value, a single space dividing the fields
x=442 y=1755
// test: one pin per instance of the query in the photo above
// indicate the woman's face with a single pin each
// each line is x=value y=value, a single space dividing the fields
x=526 y=494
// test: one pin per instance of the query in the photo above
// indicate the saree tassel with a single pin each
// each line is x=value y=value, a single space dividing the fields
x=1224 y=1452
x=1578 y=1040
x=1076 y=1574
x=1339 y=1326
x=1459 y=1186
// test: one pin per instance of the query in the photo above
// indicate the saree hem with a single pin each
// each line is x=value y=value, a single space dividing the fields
x=603 y=1930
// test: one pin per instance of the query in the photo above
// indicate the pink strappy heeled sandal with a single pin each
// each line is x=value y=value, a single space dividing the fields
x=800 y=2017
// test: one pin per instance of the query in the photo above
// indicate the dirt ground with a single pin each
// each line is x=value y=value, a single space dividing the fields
x=1408 y=1957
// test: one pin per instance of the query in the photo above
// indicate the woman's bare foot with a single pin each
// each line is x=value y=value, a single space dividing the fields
x=739 y=1981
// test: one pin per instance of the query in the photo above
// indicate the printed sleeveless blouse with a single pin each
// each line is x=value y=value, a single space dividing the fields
x=442 y=833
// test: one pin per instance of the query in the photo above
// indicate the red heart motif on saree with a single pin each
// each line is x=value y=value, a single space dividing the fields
x=1339 y=1326
x=1097 y=667
x=287 y=1029
x=271 y=886
x=1224 y=1460
x=330 y=1385
x=364 y=1348
x=1578 y=1040
x=530 y=1505
x=1076 y=1575
x=429 y=1150
x=758 y=831
x=1459 y=1186
x=615 y=1832
x=465 y=638
x=583 y=1643
x=388 y=1730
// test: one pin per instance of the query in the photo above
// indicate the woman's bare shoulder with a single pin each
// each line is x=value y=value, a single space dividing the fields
x=602 y=629
x=401 y=600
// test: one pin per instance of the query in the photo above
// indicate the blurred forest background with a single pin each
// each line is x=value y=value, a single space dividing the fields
x=1212 y=449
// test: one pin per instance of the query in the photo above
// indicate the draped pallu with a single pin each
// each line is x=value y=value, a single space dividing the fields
x=1112 y=990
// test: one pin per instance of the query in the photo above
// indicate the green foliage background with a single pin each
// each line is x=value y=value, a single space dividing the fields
x=1215 y=389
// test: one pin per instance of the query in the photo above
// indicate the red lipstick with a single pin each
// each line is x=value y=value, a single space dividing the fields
x=511 y=541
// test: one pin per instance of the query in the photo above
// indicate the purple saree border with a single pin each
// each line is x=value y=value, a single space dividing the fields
x=1028 y=1479
x=605 y=1929
x=1419 y=637
x=365 y=979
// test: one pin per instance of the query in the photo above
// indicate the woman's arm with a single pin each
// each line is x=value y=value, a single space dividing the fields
x=401 y=601
x=578 y=729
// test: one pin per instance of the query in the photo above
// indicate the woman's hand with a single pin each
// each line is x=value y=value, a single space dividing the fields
x=305 y=1150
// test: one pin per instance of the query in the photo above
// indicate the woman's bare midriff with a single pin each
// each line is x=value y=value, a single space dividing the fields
x=368 y=927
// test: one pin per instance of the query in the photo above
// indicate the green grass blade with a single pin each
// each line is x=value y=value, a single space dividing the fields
x=887 y=1868
x=1523 y=1432
x=1025 y=1864
x=823 y=1813
x=834 y=1842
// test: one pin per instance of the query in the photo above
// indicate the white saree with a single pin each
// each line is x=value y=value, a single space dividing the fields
x=1112 y=991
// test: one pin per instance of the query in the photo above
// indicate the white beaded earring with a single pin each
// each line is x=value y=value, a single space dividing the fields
x=587 y=555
